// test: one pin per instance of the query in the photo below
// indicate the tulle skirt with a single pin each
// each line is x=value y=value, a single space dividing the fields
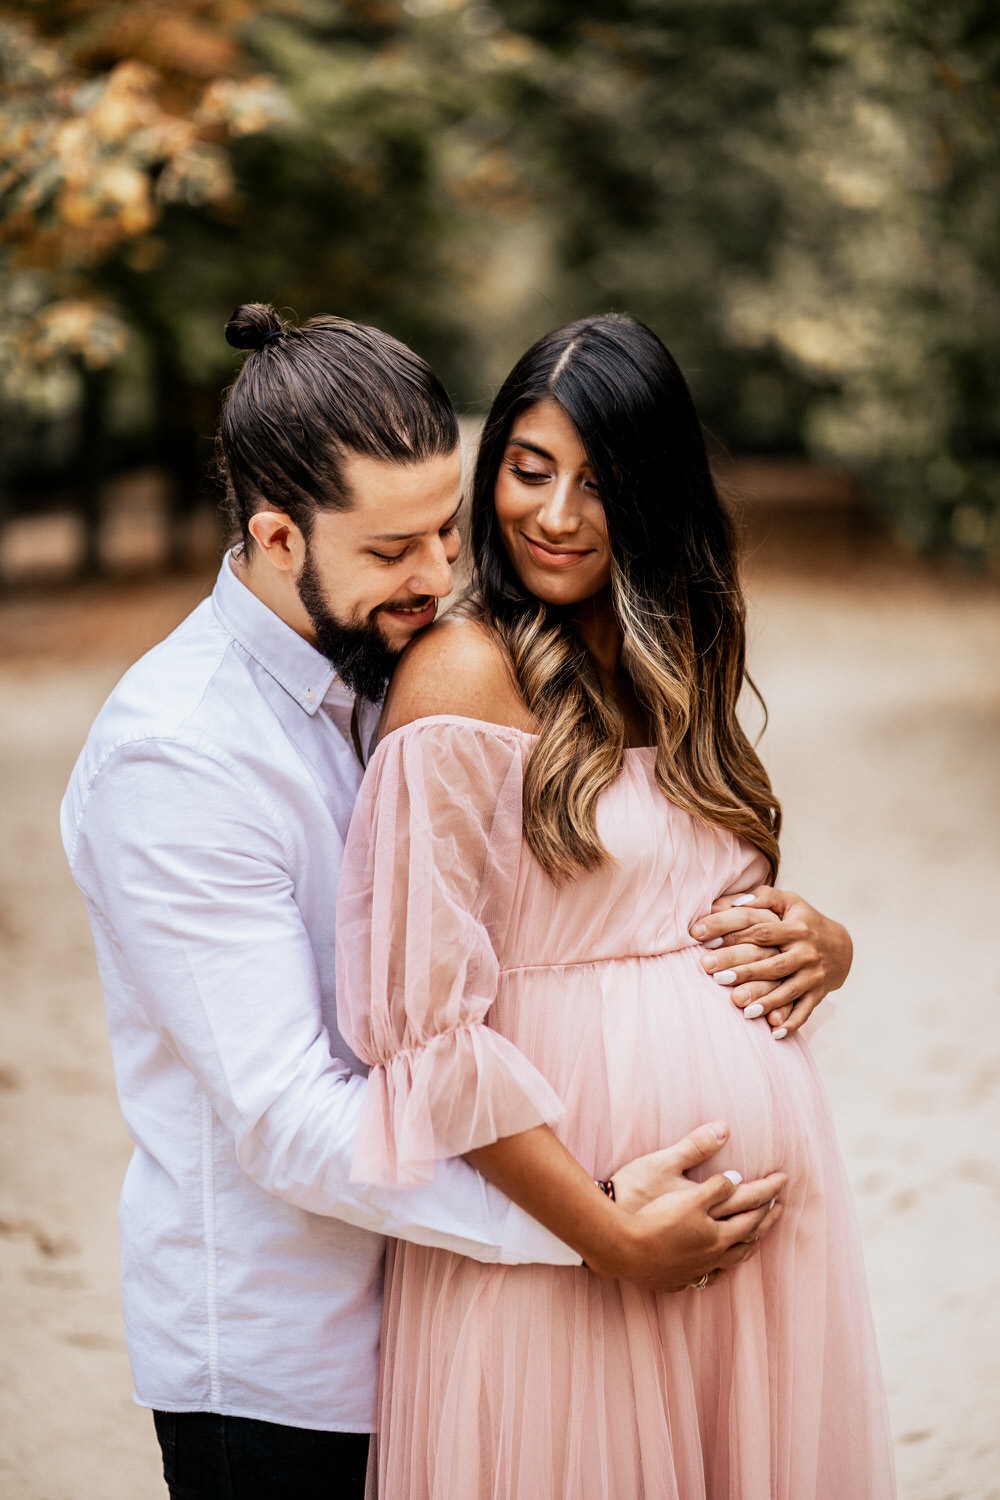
x=535 y=1383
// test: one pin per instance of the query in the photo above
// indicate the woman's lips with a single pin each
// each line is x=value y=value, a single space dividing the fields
x=550 y=558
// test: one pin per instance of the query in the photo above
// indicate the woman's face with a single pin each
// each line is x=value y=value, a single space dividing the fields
x=550 y=513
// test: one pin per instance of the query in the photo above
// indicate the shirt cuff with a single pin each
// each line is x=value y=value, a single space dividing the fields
x=523 y=1242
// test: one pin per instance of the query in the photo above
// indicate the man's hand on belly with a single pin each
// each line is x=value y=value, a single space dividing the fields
x=779 y=955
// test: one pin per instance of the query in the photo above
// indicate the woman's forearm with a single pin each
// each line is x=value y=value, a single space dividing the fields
x=536 y=1172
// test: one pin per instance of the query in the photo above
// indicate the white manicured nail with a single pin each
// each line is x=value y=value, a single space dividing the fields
x=744 y=900
x=779 y=1032
x=753 y=1011
x=713 y=943
x=725 y=976
x=734 y=1177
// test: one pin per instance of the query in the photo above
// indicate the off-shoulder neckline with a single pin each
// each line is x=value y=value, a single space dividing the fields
x=489 y=725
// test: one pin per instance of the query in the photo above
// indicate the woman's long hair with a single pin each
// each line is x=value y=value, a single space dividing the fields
x=675 y=590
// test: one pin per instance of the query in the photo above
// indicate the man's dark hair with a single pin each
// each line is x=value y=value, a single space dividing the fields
x=308 y=396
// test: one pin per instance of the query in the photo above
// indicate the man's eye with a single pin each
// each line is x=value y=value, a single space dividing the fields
x=390 y=557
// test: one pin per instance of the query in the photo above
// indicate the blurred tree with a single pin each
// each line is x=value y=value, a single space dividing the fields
x=803 y=198
x=884 y=285
x=798 y=196
x=113 y=113
x=659 y=120
x=153 y=177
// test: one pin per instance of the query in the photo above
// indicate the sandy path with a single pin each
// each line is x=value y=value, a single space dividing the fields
x=883 y=742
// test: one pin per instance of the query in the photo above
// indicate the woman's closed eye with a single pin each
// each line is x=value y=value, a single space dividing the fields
x=535 y=477
x=529 y=476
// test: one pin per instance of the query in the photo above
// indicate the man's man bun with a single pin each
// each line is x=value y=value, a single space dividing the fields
x=251 y=325
x=328 y=388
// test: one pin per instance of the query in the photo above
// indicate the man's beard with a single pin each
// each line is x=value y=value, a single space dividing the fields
x=361 y=654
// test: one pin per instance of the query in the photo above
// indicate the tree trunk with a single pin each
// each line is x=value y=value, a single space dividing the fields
x=91 y=465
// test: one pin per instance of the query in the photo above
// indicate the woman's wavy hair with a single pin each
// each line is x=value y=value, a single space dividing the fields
x=675 y=589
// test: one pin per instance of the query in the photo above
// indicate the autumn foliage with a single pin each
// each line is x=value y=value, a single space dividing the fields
x=112 y=111
x=801 y=196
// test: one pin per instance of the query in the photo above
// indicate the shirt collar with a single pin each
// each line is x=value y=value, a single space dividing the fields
x=304 y=673
x=338 y=696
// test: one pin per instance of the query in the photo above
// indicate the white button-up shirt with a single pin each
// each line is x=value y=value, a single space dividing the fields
x=205 y=824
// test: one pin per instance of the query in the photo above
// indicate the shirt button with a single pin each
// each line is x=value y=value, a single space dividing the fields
x=310 y=696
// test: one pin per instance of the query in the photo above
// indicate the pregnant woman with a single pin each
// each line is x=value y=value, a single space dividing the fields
x=562 y=786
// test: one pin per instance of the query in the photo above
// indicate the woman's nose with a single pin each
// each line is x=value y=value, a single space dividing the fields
x=559 y=513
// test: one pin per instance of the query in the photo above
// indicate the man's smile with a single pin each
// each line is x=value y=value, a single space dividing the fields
x=418 y=613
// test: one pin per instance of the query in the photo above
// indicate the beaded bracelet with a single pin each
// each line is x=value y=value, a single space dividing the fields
x=608 y=1189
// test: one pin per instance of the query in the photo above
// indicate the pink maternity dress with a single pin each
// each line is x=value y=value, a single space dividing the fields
x=488 y=1000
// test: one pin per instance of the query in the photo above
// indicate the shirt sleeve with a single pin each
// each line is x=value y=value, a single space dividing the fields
x=426 y=887
x=185 y=868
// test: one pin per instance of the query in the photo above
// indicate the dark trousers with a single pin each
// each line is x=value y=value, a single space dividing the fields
x=207 y=1457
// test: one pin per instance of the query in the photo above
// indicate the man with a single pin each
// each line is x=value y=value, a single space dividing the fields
x=205 y=824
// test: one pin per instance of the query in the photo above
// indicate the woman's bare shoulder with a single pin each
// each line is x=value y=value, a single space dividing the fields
x=454 y=667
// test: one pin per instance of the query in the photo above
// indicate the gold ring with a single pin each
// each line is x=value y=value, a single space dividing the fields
x=700 y=1286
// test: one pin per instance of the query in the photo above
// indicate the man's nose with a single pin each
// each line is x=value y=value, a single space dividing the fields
x=434 y=575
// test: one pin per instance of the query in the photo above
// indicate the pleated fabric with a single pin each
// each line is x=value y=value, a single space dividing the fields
x=487 y=999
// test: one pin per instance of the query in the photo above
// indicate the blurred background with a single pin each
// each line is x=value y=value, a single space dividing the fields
x=803 y=198
x=800 y=195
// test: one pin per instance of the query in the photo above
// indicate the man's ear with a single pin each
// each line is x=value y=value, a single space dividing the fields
x=279 y=539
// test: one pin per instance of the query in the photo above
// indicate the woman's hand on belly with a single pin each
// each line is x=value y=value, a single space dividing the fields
x=705 y=1237
x=649 y=1177
x=685 y=1234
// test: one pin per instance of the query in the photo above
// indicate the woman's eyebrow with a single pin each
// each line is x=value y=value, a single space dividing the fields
x=517 y=442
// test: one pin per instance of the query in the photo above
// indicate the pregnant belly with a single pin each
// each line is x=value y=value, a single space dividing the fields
x=641 y=1050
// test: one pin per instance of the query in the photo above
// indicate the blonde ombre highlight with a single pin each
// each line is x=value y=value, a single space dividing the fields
x=675 y=591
